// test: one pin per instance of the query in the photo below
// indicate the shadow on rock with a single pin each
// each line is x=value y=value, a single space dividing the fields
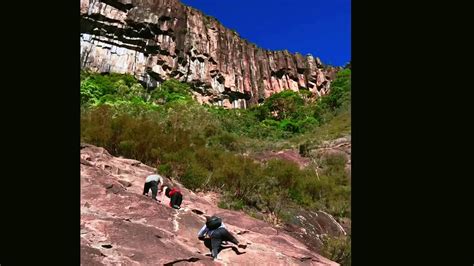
x=192 y=259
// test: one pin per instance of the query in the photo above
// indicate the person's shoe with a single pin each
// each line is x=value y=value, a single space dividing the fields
x=242 y=246
x=176 y=207
x=145 y=194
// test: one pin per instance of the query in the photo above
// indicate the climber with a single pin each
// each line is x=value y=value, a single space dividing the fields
x=152 y=182
x=216 y=233
x=175 y=195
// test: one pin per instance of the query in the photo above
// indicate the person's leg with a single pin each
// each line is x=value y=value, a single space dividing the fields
x=179 y=199
x=146 y=188
x=207 y=243
x=227 y=236
x=216 y=246
x=173 y=200
x=176 y=200
x=216 y=241
x=154 y=189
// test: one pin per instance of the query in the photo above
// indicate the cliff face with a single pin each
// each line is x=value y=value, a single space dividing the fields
x=160 y=39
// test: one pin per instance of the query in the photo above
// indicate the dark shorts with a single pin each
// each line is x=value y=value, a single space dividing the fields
x=153 y=185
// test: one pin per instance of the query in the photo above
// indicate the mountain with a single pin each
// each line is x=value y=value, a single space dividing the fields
x=156 y=40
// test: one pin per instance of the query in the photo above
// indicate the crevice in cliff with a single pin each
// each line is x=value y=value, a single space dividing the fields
x=164 y=18
x=117 y=44
x=236 y=95
x=188 y=68
x=212 y=61
x=100 y=17
x=155 y=76
x=155 y=49
x=214 y=73
x=279 y=73
x=202 y=88
x=152 y=29
x=121 y=40
x=127 y=35
x=120 y=6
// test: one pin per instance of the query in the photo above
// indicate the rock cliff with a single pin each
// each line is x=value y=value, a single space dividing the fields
x=160 y=39
x=119 y=226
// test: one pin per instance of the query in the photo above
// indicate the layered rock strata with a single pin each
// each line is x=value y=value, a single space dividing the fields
x=156 y=40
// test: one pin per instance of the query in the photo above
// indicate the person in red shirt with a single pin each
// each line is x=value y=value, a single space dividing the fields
x=176 y=198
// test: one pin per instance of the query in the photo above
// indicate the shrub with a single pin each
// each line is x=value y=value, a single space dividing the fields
x=339 y=95
x=337 y=249
x=282 y=105
x=172 y=91
x=194 y=176
x=231 y=203
x=201 y=146
x=165 y=169
x=288 y=125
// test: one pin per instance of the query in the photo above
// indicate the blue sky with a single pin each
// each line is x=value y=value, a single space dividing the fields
x=319 y=27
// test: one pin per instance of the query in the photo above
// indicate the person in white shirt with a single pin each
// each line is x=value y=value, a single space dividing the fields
x=152 y=182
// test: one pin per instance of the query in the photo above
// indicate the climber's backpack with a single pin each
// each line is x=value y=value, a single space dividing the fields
x=213 y=223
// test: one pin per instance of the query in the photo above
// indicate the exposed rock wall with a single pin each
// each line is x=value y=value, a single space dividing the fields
x=120 y=226
x=160 y=39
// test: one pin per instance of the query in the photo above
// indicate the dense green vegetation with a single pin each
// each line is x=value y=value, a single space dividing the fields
x=338 y=249
x=211 y=148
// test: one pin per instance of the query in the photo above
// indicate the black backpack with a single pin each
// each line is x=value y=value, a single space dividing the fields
x=213 y=223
